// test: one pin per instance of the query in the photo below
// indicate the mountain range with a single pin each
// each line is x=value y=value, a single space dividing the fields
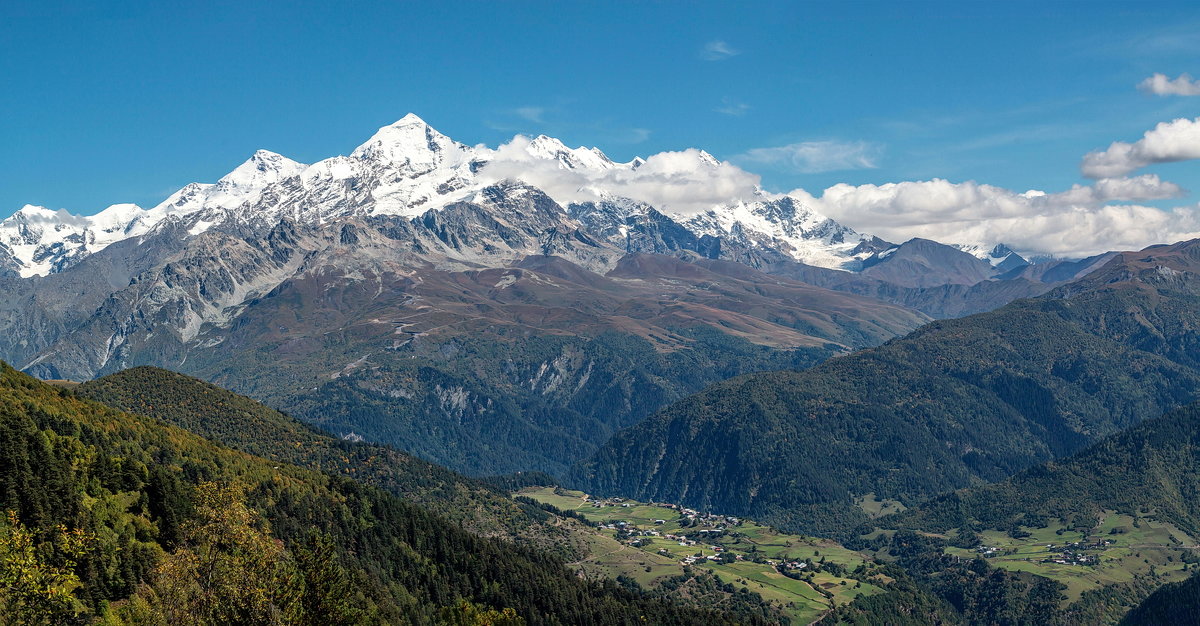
x=420 y=292
x=407 y=169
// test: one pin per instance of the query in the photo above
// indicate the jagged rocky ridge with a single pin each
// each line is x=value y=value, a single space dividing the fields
x=405 y=169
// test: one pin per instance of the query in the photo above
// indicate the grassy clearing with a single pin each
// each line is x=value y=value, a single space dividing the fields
x=876 y=508
x=650 y=542
x=609 y=558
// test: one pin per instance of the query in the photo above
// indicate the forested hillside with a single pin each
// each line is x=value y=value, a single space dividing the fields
x=241 y=423
x=953 y=404
x=1152 y=468
x=122 y=516
x=1177 y=604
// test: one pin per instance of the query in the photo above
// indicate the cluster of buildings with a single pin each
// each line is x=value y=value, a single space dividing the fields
x=687 y=538
x=1072 y=558
x=632 y=531
x=682 y=539
x=692 y=560
x=600 y=503
x=1073 y=553
x=710 y=519
x=692 y=515
x=987 y=551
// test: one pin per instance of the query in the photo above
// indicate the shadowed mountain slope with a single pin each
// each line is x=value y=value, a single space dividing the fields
x=529 y=367
x=953 y=404
x=1151 y=467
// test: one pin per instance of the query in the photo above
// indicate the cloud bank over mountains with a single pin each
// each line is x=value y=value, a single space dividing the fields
x=683 y=182
x=1074 y=223
x=1109 y=213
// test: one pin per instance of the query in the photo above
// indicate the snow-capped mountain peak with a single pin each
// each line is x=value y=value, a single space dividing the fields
x=261 y=169
x=708 y=159
x=784 y=223
x=1000 y=256
x=413 y=145
x=32 y=213
x=42 y=241
x=244 y=184
x=116 y=218
x=586 y=158
x=416 y=167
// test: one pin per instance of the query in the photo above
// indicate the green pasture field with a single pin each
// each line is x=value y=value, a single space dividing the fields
x=657 y=558
x=1139 y=547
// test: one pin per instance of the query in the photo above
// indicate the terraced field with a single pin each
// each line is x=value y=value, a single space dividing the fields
x=652 y=542
x=1116 y=550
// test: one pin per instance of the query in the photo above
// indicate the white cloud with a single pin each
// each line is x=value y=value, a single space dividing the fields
x=1178 y=140
x=1144 y=187
x=717 y=51
x=1161 y=85
x=732 y=107
x=531 y=114
x=684 y=182
x=1077 y=222
x=810 y=157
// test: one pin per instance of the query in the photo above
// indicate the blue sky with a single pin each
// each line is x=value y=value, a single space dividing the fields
x=126 y=102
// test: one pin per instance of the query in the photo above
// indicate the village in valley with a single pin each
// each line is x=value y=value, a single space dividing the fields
x=1117 y=548
x=650 y=542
